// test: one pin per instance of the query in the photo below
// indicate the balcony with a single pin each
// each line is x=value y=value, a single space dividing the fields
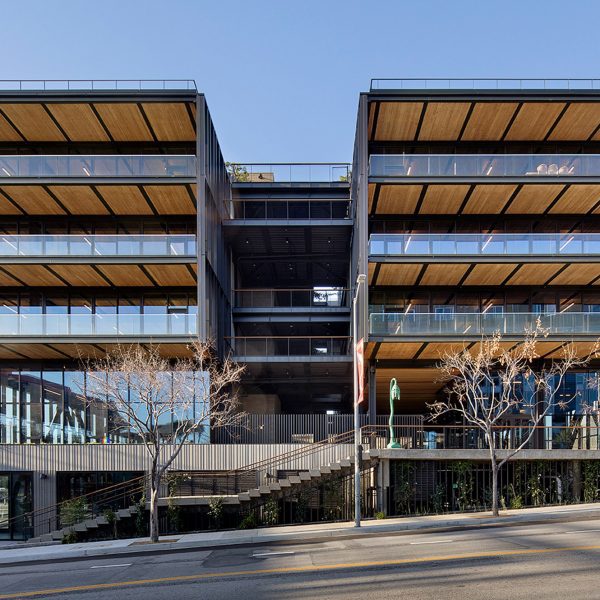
x=435 y=245
x=99 y=248
x=292 y=211
x=526 y=167
x=291 y=299
x=149 y=166
x=293 y=349
x=91 y=85
x=289 y=173
x=40 y=328
x=485 y=83
x=564 y=325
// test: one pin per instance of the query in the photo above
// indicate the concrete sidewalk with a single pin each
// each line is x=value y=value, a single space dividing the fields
x=17 y=553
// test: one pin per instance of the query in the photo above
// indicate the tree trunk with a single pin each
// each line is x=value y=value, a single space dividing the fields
x=495 y=512
x=154 y=489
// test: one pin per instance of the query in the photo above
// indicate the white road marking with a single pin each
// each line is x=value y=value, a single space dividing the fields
x=260 y=555
x=431 y=542
x=110 y=566
x=582 y=531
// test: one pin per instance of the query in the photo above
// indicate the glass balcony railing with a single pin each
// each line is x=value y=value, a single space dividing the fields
x=484 y=244
x=96 y=325
x=98 y=245
x=149 y=165
x=56 y=85
x=459 y=324
x=264 y=347
x=408 y=166
x=289 y=172
x=484 y=83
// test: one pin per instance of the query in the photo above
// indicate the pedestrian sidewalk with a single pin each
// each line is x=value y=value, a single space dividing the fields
x=15 y=553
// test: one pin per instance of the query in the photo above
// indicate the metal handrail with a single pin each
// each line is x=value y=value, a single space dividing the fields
x=498 y=83
x=57 y=85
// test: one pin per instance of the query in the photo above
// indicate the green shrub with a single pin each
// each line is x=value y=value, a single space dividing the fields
x=380 y=515
x=73 y=511
x=70 y=537
x=248 y=522
x=215 y=512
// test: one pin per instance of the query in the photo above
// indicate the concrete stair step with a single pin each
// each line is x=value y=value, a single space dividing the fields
x=265 y=490
x=304 y=476
x=80 y=527
x=335 y=467
x=91 y=523
x=315 y=473
x=345 y=463
x=101 y=520
x=325 y=470
x=294 y=479
x=254 y=493
x=285 y=483
x=275 y=487
x=244 y=497
x=123 y=513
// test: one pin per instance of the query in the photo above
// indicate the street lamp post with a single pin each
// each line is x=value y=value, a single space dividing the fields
x=357 y=446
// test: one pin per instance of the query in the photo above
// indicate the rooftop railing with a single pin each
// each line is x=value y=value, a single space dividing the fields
x=267 y=347
x=483 y=83
x=88 y=85
x=98 y=245
x=484 y=165
x=484 y=244
x=97 y=325
x=452 y=324
x=293 y=298
x=289 y=210
x=97 y=165
x=289 y=172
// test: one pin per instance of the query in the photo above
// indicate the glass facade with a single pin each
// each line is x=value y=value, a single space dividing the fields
x=16 y=500
x=57 y=407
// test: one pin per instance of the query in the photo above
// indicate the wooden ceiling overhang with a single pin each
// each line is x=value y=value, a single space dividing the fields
x=472 y=271
x=46 y=118
x=484 y=117
x=119 y=198
x=131 y=275
x=502 y=196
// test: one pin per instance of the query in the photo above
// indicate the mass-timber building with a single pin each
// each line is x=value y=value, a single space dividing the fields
x=471 y=207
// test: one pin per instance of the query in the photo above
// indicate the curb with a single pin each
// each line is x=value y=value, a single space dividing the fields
x=303 y=537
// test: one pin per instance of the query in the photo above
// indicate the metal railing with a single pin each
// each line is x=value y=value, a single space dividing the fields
x=97 y=325
x=484 y=244
x=289 y=172
x=265 y=347
x=459 y=324
x=483 y=83
x=98 y=245
x=98 y=165
x=407 y=166
x=299 y=428
x=88 y=85
x=292 y=298
x=306 y=208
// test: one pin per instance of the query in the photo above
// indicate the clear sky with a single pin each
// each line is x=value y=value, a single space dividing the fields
x=282 y=77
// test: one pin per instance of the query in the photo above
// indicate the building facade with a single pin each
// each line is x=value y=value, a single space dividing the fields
x=471 y=207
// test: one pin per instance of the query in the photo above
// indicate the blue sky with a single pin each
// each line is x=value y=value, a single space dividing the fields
x=282 y=77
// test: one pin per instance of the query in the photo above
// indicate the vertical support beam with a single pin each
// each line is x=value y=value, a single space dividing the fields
x=201 y=215
x=372 y=393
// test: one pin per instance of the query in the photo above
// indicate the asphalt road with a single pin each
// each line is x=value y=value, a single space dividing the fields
x=544 y=561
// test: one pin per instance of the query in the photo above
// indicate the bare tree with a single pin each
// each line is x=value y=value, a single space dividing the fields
x=488 y=385
x=165 y=403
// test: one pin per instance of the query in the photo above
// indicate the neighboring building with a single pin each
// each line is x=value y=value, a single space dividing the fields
x=471 y=208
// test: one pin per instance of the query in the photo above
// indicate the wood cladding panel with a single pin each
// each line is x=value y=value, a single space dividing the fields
x=7 y=207
x=400 y=351
x=489 y=121
x=80 y=275
x=391 y=274
x=34 y=351
x=125 y=275
x=80 y=350
x=79 y=122
x=443 y=199
x=124 y=199
x=398 y=121
x=170 y=199
x=33 y=199
x=372 y=188
x=443 y=274
x=79 y=199
x=577 y=274
x=398 y=199
x=6 y=280
x=170 y=121
x=443 y=121
x=489 y=274
x=7 y=132
x=171 y=275
x=534 y=199
x=35 y=275
x=435 y=350
x=534 y=120
x=534 y=274
x=124 y=121
x=33 y=122
x=578 y=199
x=578 y=122
x=488 y=199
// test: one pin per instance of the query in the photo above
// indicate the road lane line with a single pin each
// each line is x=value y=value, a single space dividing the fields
x=582 y=531
x=261 y=554
x=300 y=569
x=110 y=566
x=431 y=542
